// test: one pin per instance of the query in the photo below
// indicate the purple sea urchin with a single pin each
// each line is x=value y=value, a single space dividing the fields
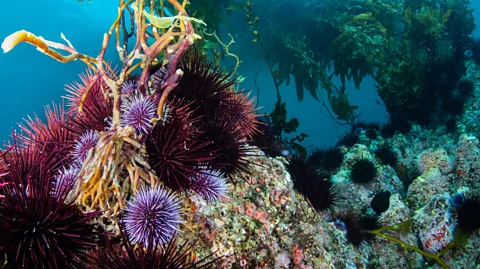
x=87 y=141
x=154 y=215
x=138 y=111
x=129 y=87
x=210 y=184
x=65 y=180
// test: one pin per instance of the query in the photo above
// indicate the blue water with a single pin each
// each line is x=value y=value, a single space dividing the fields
x=31 y=80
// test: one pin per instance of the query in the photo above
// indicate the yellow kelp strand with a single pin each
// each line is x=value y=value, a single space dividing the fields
x=165 y=22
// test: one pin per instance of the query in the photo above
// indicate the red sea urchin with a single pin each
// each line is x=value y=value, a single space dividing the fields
x=363 y=171
x=203 y=84
x=174 y=150
x=38 y=229
x=319 y=190
x=241 y=108
x=51 y=137
x=356 y=227
x=96 y=108
x=154 y=215
x=228 y=143
x=468 y=214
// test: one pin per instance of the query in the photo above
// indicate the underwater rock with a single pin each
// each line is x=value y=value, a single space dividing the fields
x=359 y=196
x=396 y=213
x=435 y=159
x=424 y=187
x=265 y=223
x=467 y=161
x=381 y=255
x=434 y=224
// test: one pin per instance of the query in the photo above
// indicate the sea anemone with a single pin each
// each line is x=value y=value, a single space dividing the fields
x=210 y=184
x=386 y=156
x=468 y=214
x=363 y=171
x=154 y=215
x=37 y=229
x=155 y=256
x=175 y=150
x=138 y=111
x=81 y=148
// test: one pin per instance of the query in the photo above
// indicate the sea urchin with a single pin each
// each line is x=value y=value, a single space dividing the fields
x=138 y=111
x=37 y=229
x=210 y=184
x=154 y=215
x=87 y=141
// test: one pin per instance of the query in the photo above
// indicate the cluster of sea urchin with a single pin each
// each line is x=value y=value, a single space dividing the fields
x=200 y=142
x=208 y=129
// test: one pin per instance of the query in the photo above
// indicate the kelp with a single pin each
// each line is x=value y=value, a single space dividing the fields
x=397 y=43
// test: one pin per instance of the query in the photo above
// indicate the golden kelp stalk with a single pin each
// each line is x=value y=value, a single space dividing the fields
x=116 y=166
